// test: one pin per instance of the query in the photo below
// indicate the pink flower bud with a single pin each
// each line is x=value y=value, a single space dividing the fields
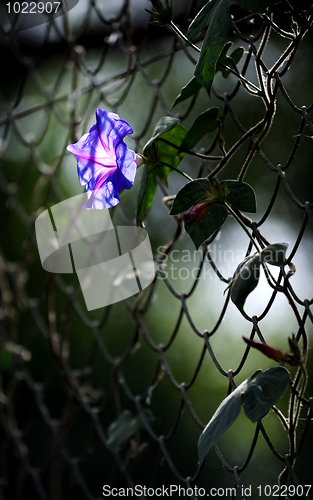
x=270 y=352
x=196 y=213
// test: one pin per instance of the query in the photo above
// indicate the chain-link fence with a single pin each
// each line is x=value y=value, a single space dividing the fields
x=118 y=397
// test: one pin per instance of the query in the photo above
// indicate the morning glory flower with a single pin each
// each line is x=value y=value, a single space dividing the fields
x=105 y=165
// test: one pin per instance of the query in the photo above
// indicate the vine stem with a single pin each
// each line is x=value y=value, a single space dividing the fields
x=304 y=374
x=183 y=37
x=163 y=164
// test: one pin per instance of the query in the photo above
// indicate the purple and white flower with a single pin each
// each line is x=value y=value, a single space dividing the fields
x=104 y=163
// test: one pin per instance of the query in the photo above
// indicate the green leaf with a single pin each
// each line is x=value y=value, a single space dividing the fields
x=156 y=150
x=259 y=393
x=146 y=194
x=192 y=87
x=245 y=279
x=189 y=195
x=167 y=129
x=222 y=419
x=240 y=195
x=264 y=391
x=201 y=21
x=121 y=430
x=206 y=123
x=201 y=230
x=214 y=41
x=275 y=254
x=216 y=17
x=230 y=61
x=165 y=124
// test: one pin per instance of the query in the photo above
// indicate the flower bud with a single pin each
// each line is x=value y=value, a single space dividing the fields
x=270 y=352
x=196 y=213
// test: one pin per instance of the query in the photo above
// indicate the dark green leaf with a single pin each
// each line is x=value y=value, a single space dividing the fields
x=245 y=279
x=240 y=195
x=189 y=90
x=237 y=55
x=201 y=21
x=146 y=194
x=159 y=153
x=206 y=123
x=121 y=430
x=222 y=419
x=264 y=391
x=201 y=230
x=216 y=16
x=164 y=125
x=275 y=254
x=229 y=61
x=164 y=146
x=214 y=41
x=191 y=194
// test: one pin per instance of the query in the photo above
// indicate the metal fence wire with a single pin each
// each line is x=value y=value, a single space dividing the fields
x=118 y=397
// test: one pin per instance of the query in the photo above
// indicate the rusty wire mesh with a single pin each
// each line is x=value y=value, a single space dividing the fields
x=165 y=359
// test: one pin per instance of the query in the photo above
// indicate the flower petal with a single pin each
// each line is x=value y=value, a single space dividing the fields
x=104 y=163
x=105 y=197
x=111 y=129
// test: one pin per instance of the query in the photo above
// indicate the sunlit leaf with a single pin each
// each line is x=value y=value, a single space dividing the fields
x=162 y=151
x=146 y=194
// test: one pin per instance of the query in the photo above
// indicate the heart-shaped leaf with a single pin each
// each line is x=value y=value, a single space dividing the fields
x=222 y=419
x=201 y=230
x=189 y=195
x=259 y=393
x=240 y=195
x=264 y=391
